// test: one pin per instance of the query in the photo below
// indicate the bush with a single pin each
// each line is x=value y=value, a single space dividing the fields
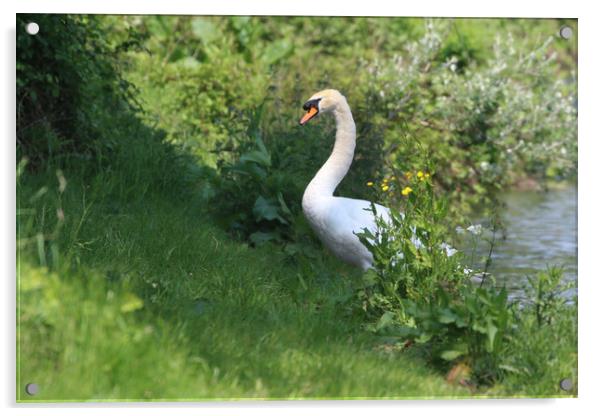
x=420 y=292
x=486 y=125
x=69 y=90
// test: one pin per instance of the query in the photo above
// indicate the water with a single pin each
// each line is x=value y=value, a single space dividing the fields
x=541 y=231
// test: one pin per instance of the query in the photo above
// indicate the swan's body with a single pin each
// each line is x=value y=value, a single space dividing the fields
x=337 y=220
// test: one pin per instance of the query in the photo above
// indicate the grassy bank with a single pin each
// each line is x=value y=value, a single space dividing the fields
x=128 y=290
x=148 y=300
x=145 y=299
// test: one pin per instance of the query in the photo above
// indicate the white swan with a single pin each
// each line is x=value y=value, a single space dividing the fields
x=336 y=219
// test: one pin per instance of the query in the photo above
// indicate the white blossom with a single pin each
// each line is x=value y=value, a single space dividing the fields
x=475 y=229
x=449 y=250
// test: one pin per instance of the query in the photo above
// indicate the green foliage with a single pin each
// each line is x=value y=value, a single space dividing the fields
x=411 y=257
x=250 y=197
x=473 y=326
x=546 y=294
x=486 y=124
x=540 y=355
x=68 y=91
x=419 y=290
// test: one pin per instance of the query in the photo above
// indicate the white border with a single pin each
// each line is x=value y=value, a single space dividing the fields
x=589 y=209
x=507 y=8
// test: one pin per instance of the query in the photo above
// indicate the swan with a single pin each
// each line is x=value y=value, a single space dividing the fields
x=336 y=220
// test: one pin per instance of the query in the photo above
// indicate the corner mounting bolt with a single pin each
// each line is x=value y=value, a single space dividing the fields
x=32 y=28
x=566 y=32
x=32 y=389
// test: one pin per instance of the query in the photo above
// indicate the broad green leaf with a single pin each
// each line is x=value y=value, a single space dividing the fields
x=491 y=332
x=446 y=316
x=265 y=209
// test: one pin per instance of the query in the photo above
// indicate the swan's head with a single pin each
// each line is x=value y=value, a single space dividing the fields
x=321 y=102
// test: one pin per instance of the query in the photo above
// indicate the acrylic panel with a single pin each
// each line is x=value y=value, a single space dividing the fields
x=235 y=208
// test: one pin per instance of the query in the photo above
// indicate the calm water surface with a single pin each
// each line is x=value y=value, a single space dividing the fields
x=541 y=231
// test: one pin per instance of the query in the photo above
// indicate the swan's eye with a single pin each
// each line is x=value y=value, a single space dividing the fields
x=311 y=104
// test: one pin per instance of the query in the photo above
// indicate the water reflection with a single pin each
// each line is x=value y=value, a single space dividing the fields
x=541 y=231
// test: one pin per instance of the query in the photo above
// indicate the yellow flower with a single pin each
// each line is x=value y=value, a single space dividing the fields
x=427 y=175
x=408 y=175
x=385 y=187
x=369 y=183
x=406 y=191
x=420 y=174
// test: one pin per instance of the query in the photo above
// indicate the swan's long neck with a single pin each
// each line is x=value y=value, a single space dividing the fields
x=334 y=170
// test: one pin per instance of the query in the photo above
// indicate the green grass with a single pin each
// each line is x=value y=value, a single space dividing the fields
x=137 y=295
x=148 y=300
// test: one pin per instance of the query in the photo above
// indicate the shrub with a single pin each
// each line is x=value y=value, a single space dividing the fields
x=485 y=125
x=68 y=90
x=420 y=292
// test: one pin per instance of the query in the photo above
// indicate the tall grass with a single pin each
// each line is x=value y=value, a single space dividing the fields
x=148 y=300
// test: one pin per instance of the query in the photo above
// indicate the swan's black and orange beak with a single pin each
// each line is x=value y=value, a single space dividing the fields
x=312 y=110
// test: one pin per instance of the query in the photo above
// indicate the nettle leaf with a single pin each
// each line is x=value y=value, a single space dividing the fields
x=266 y=209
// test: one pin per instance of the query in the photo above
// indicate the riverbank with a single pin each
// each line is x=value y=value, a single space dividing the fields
x=195 y=315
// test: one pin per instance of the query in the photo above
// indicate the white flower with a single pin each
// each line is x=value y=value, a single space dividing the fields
x=460 y=230
x=449 y=250
x=467 y=270
x=475 y=229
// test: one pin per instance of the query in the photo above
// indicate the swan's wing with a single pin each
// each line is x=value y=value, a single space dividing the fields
x=356 y=214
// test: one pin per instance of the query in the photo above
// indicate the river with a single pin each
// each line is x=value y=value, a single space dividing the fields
x=541 y=231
